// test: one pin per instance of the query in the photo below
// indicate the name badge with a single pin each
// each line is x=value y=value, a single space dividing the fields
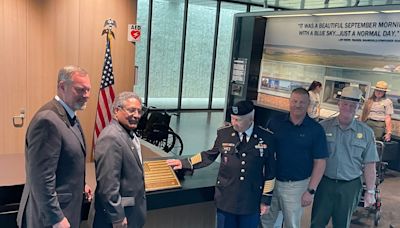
x=228 y=145
x=261 y=146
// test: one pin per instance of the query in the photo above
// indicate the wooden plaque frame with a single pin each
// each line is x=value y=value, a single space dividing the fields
x=159 y=176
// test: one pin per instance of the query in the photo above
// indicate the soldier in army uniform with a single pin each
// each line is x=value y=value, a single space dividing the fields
x=246 y=175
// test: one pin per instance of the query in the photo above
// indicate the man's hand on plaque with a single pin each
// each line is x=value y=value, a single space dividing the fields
x=174 y=163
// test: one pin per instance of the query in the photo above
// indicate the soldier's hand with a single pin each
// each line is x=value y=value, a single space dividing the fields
x=264 y=209
x=174 y=163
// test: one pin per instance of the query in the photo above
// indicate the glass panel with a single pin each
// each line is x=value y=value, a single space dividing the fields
x=141 y=47
x=259 y=8
x=222 y=66
x=314 y=4
x=339 y=3
x=290 y=4
x=198 y=54
x=166 y=38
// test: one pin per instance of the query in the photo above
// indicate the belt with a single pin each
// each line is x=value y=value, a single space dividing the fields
x=289 y=180
x=340 y=181
x=376 y=120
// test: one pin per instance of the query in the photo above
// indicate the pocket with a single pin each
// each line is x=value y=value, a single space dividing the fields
x=128 y=201
x=331 y=144
x=359 y=147
x=64 y=197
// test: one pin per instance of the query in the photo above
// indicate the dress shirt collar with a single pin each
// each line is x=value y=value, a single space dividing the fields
x=248 y=132
x=70 y=112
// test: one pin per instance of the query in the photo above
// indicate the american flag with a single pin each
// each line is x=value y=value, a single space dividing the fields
x=106 y=95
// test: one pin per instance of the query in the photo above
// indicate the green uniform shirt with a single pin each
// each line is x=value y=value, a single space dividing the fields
x=348 y=148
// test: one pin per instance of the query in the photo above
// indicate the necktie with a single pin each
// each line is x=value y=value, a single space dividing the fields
x=75 y=126
x=241 y=144
x=244 y=138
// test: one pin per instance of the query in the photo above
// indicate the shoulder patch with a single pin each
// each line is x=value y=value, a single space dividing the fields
x=196 y=159
x=224 y=126
x=266 y=129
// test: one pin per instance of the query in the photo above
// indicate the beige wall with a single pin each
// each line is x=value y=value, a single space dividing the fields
x=40 y=36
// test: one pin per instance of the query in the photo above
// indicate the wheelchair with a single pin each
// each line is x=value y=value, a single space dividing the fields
x=154 y=128
x=381 y=168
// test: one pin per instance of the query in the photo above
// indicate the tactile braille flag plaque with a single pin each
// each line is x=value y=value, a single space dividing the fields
x=159 y=176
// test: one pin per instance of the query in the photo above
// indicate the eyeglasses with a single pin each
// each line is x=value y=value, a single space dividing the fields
x=132 y=111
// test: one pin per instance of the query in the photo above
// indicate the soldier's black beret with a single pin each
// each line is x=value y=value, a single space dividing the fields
x=242 y=108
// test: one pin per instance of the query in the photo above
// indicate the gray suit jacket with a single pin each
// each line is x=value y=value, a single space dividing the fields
x=55 y=169
x=120 y=190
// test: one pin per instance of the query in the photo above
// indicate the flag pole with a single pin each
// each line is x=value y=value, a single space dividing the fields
x=106 y=92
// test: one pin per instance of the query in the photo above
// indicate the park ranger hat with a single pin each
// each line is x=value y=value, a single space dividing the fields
x=381 y=85
x=351 y=93
x=242 y=108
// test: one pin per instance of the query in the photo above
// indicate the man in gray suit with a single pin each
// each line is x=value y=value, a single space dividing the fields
x=120 y=199
x=55 y=157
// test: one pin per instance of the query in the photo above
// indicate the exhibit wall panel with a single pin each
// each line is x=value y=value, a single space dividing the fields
x=356 y=49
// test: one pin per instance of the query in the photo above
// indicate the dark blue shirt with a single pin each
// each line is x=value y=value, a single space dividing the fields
x=297 y=146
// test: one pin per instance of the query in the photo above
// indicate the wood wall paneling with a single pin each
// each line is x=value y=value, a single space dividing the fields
x=92 y=49
x=13 y=66
x=41 y=36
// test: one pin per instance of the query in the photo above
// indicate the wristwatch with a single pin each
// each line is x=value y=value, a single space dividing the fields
x=371 y=191
x=311 y=191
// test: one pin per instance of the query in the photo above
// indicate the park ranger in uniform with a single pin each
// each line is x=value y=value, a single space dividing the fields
x=246 y=175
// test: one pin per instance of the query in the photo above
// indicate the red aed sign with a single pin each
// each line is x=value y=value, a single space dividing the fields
x=134 y=33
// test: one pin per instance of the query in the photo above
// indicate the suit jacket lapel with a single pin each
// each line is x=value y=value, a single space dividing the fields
x=135 y=152
x=128 y=140
x=77 y=130
x=59 y=109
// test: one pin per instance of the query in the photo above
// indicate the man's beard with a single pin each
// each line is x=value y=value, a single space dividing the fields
x=80 y=106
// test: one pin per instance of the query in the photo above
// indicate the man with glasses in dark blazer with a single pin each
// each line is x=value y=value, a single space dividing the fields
x=120 y=196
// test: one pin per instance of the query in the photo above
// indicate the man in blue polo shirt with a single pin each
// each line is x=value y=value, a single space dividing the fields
x=301 y=151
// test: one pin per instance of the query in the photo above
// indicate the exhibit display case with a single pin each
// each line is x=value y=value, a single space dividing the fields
x=332 y=88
